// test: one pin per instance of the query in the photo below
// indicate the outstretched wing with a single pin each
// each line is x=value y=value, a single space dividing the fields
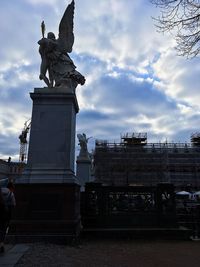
x=66 y=35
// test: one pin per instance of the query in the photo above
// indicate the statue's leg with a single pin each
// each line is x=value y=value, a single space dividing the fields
x=43 y=71
x=51 y=76
x=45 y=79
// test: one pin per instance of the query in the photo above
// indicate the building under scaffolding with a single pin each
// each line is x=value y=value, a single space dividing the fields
x=10 y=169
x=134 y=161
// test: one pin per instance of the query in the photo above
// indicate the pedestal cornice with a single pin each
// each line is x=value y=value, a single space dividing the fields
x=83 y=160
x=61 y=94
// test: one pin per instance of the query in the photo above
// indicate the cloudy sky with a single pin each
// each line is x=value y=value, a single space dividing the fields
x=135 y=82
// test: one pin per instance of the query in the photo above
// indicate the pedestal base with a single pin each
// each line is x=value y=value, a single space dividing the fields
x=52 y=136
x=48 y=212
x=47 y=193
x=43 y=176
x=83 y=171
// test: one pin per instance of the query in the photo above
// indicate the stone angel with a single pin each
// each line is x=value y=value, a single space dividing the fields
x=83 y=140
x=54 y=54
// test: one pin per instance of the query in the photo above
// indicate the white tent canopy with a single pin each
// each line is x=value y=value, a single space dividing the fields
x=183 y=193
x=197 y=193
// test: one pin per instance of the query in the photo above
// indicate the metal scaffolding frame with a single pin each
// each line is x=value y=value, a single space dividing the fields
x=138 y=162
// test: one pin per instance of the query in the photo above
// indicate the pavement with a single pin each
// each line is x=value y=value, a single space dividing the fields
x=12 y=254
x=105 y=252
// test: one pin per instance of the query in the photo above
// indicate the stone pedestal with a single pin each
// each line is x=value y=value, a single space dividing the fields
x=47 y=193
x=46 y=213
x=83 y=171
x=51 y=153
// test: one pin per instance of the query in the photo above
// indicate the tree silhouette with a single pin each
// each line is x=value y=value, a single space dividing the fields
x=182 y=19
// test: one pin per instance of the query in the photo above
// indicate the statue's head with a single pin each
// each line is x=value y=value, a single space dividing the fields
x=51 y=35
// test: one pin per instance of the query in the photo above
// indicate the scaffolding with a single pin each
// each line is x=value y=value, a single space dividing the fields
x=195 y=139
x=23 y=142
x=134 y=139
x=134 y=161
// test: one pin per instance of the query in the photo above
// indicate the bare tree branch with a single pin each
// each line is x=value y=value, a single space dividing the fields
x=182 y=18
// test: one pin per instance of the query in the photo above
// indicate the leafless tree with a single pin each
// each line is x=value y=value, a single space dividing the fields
x=182 y=18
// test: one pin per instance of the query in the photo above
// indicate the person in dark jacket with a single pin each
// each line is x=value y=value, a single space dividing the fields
x=7 y=202
x=2 y=222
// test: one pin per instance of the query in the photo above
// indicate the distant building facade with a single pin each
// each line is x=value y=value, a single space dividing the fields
x=133 y=161
x=4 y=169
x=11 y=170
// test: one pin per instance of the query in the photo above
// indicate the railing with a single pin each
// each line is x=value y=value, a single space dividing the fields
x=188 y=215
x=105 y=143
x=134 y=135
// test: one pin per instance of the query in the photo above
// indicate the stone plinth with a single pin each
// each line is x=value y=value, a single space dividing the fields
x=46 y=212
x=48 y=193
x=51 y=153
x=83 y=171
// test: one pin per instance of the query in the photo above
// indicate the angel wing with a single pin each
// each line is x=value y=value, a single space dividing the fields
x=66 y=35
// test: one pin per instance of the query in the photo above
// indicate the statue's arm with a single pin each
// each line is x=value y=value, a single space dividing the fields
x=43 y=41
x=47 y=44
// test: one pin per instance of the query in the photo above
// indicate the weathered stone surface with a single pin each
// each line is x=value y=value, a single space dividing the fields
x=51 y=153
x=83 y=171
x=48 y=212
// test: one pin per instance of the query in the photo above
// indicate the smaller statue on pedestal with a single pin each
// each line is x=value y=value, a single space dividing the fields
x=83 y=140
x=54 y=54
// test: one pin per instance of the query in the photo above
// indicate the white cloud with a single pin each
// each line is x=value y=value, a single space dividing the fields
x=135 y=81
x=180 y=76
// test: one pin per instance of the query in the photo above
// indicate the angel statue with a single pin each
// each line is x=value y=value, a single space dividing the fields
x=54 y=53
x=83 y=140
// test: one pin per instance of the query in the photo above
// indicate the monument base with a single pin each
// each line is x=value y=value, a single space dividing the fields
x=47 y=175
x=46 y=212
x=47 y=193
x=52 y=136
x=83 y=171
